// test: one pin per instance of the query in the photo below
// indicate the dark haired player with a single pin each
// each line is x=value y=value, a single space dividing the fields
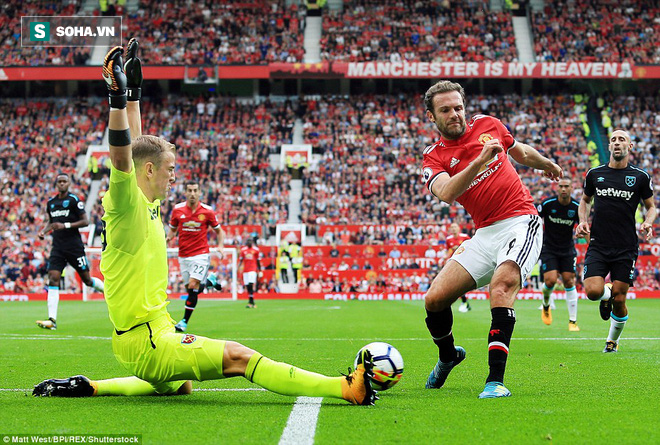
x=470 y=164
x=191 y=220
x=66 y=214
x=617 y=188
x=558 y=255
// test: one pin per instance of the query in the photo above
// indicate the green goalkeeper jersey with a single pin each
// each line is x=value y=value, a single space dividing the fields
x=134 y=258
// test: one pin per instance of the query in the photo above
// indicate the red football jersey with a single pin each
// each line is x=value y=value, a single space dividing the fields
x=193 y=228
x=496 y=193
x=453 y=241
x=250 y=255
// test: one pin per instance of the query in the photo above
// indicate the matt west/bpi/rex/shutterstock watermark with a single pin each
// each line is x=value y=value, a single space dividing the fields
x=70 y=31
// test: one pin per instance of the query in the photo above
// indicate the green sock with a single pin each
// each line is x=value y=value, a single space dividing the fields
x=124 y=386
x=288 y=380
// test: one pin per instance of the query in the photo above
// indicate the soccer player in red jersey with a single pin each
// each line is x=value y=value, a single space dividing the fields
x=469 y=164
x=251 y=265
x=191 y=220
x=455 y=239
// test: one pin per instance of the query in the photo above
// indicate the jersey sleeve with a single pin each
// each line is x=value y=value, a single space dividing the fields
x=213 y=220
x=539 y=208
x=432 y=167
x=588 y=186
x=79 y=209
x=647 y=187
x=507 y=141
x=174 y=220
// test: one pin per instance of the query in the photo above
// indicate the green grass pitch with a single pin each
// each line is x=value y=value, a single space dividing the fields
x=565 y=390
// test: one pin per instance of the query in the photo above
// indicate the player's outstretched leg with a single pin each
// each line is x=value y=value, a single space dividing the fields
x=288 y=380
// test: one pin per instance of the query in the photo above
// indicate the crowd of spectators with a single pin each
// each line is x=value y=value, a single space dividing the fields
x=602 y=31
x=225 y=144
x=369 y=169
x=370 y=149
x=38 y=140
x=11 y=51
x=177 y=32
x=412 y=30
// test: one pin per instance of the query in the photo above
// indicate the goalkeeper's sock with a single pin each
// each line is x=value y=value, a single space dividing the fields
x=288 y=380
x=53 y=301
x=547 y=295
x=97 y=285
x=123 y=386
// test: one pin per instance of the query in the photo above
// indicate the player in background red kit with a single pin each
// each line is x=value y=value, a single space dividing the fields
x=191 y=220
x=453 y=241
x=469 y=164
x=250 y=264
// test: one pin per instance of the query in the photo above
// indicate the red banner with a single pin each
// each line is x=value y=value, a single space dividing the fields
x=362 y=70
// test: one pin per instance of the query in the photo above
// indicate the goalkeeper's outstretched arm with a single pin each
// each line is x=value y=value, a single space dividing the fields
x=133 y=70
x=119 y=135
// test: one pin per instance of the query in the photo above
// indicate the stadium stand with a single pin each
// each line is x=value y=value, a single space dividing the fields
x=368 y=30
x=38 y=139
x=604 y=31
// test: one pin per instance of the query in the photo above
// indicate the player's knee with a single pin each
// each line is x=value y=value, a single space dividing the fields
x=193 y=284
x=593 y=293
x=235 y=358
x=435 y=300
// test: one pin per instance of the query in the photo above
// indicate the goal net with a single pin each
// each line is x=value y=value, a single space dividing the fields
x=225 y=267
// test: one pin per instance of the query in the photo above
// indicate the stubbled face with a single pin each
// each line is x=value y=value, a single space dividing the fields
x=565 y=188
x=448 y=114
x=192 y=194
x=62 y=183
x=620 y=145
x=164 y=175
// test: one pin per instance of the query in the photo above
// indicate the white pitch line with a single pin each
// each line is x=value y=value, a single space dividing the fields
x=85 y=337
x=301 y=427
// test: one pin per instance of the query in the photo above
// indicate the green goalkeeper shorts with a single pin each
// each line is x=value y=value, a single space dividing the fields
x=155 y=352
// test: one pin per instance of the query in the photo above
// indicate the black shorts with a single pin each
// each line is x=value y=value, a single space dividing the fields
x=561 y=263
x=620 y=264
x=74 y=255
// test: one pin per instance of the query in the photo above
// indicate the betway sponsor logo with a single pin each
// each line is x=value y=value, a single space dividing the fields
x=615 y=193
x=57 y=213
x=484 y=175
x=568 y=222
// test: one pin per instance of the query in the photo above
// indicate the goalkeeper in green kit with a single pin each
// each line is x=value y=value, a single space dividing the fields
x=134 y=264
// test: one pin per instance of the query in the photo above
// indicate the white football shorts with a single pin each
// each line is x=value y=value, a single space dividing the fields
x=518 y=239
x=196 y=267
x=249 y=278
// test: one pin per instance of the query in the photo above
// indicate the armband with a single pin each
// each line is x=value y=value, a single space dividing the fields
x=67 y=225
x=119 y=138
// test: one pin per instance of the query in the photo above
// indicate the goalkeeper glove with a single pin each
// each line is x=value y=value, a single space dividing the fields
x=115 y=79
x=133 y=70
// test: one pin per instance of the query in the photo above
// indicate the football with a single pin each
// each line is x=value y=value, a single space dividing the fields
x=388 y=364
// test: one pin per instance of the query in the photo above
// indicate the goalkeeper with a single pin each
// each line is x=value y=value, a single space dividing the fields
x=134 y=263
